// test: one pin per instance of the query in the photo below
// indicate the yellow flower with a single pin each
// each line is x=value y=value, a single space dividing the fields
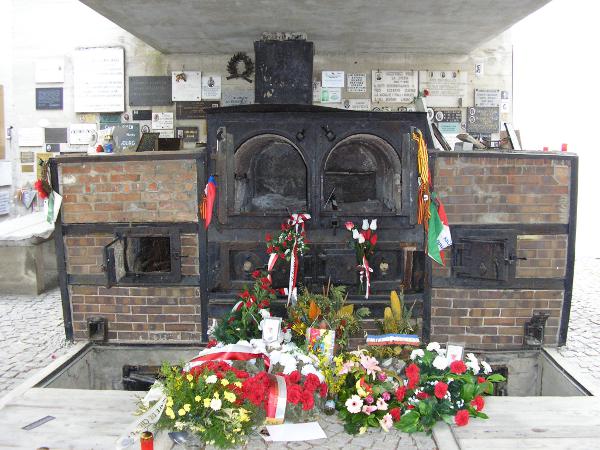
x=216 y=395
x=181 y=412
x=191 y=385
x=197 y=398
x=190 y=377
x=238 y=384
x=169 y=401
x=187 y=407
x=206 y=402
x=169 y=412
x=244 y=415
x=229 y=396
x=224 y=382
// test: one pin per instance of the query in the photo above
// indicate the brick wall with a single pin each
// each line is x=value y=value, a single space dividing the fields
x=85 y=254
x=491 y=319
x=142 y=314
x=498 y=190
x=546 y=256
x=129 y=191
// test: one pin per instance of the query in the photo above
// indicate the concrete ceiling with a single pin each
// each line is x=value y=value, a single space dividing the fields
x=357 y=26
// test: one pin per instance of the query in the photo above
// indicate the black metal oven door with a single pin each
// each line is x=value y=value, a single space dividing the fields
x=480 y=258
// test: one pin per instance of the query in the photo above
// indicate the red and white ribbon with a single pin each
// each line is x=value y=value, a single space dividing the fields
x=365 y=271
x=276 y=400
x=297 y=221
x=231 y=352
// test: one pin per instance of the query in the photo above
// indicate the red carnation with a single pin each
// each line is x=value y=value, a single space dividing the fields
x=211 y=343
x=441 y=389
x=396 y=413
x=481 y=380
x=400 y=393
x=294 y=377
x=308 y=400
x=312 y=382
x=267 y=237
x=323 y=390
x=422 y=395
x=478 y=403
x=294 y=394
x=245 y=294
x=458 y=367
x=410 y=407
x=461 y=418
x=412 y=372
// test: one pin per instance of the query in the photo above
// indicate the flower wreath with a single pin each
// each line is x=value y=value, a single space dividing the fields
x=282 y=243
x=232 y=67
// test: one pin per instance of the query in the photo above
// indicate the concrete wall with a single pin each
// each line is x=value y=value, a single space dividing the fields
x=55 y=28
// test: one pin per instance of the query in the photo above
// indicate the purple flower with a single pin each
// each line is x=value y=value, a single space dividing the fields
x=386 y=396
x=369 y=400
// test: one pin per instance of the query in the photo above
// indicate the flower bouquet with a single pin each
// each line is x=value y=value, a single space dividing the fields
x=244 y=321
x=366 y=394
x=363 y=241
x=206 y=402
x=438 y=389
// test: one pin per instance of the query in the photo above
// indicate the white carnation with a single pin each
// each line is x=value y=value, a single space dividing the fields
x=473 y=366
x=440 y=362
x=486 y=367
x=309 y=368
x=211 y=379
x=418 y=353
x=433 y=346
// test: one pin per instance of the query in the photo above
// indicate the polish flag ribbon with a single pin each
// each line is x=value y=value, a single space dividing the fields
x=365 y=271
x=231 y=352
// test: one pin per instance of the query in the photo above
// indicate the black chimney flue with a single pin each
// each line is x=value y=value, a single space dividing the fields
x=284 y=71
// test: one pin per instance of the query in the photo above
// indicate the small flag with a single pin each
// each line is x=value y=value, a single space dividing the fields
x=208 y=201
x=439 y=231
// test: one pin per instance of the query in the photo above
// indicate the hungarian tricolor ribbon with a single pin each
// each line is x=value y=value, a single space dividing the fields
x=365 y=273
x=231 y=352
x=276 y=400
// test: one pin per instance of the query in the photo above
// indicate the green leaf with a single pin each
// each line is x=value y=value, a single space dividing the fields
x=481 y=415
x=448 y=418
x=495 y=378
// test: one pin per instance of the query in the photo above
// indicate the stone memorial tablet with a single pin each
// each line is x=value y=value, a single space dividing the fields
x=150 y=91
x=48 y=98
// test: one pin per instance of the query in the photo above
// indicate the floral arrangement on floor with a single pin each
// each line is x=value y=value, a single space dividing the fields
x=207 y=402
x=328 y=310
x=441 y=390
x=363 y=241
x=244 y=321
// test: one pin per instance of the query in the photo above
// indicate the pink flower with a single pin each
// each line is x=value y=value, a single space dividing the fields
x=386 y=396
x=382 y=376
x=369 y=399
x=381 y=404
x=370 y=364
x=368 y=409
x=346 y=367
x=349 y=226
x=353 y=404
x=386 y=422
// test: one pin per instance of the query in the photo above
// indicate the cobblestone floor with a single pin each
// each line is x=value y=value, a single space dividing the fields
x=31 y=336
x=583 y=340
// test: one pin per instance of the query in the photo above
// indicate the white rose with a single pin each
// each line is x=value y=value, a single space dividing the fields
x=361 y=239
x=365 y=225
x=418 y=353
x=440 y=362
x=355 y=234
x=433 y=346
x=373 y=225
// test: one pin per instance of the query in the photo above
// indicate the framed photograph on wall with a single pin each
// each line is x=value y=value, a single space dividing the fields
x=271 y=329
x=454 y=352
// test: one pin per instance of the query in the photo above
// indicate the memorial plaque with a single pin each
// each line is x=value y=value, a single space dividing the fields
x=110 y=118
x=193 y=110
x=99 y=79
x=188 y=134
x=125 y=135
x=56 y=135
x=150 y=91
x=48 y=98
x=483 y=120
x=142 y=114
x=448 y=115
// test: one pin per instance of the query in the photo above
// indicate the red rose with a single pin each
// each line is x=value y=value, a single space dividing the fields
x=211 y=343
x=400 y=393
x=481 y=380
x=461 y=418
x=308 y=400
x=269 y=250
x=374 y=240
x=245 y=294
x=458 y=367
x=422 y=395
x=410 y=407
x=323 y=390
x=396 y=413
x=267 y=237
x=478 y=403
x=441 y=389
x=294 y=377
x=256 y=274
x=312 y=382
x=294 y=394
